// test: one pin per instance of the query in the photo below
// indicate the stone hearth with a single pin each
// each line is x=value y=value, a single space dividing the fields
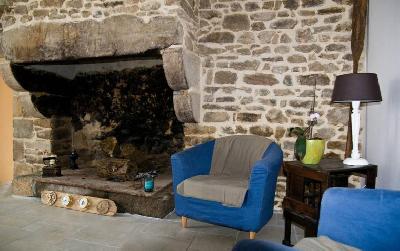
x=129 y=196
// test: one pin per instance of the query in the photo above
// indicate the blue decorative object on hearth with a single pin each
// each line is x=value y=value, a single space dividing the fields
x=258 y=203
x=368 y=219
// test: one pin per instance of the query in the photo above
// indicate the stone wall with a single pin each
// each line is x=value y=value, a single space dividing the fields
x=83 y=29
x=35 y=136
x=259 y=59
x=259 y=63
x=28 y=12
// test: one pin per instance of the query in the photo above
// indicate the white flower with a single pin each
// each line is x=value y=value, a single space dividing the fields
x=314 y=116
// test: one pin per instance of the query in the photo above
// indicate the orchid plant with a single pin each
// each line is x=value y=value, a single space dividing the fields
x=304 y=134
x=313 y=117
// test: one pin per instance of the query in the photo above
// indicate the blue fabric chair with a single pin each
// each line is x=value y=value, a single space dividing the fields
x=367 y=219
x=257 y=207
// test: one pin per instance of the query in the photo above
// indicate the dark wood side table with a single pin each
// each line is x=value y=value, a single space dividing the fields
x=305 y=185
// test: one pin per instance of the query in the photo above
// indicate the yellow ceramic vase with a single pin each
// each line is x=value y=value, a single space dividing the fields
x=314 y=151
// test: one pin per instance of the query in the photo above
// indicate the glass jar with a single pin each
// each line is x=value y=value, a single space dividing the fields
x=148 y=183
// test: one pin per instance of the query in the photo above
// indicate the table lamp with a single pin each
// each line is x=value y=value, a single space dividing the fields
x=356 y=88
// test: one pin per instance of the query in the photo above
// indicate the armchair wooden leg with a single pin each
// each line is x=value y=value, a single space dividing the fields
x=252 y=235
x=184 y=221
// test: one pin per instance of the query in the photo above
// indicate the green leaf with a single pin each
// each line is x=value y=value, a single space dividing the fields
x=298 y=131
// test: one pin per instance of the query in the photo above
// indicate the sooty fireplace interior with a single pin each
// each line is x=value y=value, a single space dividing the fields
x=117 y=114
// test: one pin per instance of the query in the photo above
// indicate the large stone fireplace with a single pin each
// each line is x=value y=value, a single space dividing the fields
x=81 y=68
x=116 y=89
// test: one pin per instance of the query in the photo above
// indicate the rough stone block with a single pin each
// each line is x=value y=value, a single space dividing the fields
x=263 y=16
x=26 y=169
x=319 y=79
x=24 y=107
x=236 y=22
x=18 y=150
x=40 y=145
x=197 y=129
x=311 y=3
x=44 y=123
x=114 y=36
x=187 y=106
x=295 y=59
x=331 y=10
x=192 y=69
x=225 y=77
x=173 y=68
x=264 y=131
x=286 y=23
x=248 y=117
x=219 y=37
x=216 y=117
x=23 y=128
x=51 y=3
x=23 y=185
x=300 y=103
x=8 y=76
x=276 y=116
x=260 y=79
x=338 y=116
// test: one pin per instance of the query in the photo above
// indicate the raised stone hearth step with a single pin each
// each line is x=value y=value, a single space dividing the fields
x=129 y=197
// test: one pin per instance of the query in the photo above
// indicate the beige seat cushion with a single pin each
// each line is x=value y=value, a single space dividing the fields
x=229 y=191
x=323 y=243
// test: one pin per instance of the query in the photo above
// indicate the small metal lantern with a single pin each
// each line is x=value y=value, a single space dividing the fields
x=51 y=167
x=72 y=160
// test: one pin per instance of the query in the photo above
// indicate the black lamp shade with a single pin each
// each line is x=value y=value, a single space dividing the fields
x=362 y=87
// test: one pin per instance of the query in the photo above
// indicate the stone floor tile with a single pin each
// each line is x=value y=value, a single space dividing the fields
x=77 y=245
x=17 y=221
x=66 y=229
x=272 y=233
x=210 y=242
x=149 y=242
x=280 y=220
x=9 y=234
x=107 y=234
x=202 y=227
x=36 y=241
x=168 y=229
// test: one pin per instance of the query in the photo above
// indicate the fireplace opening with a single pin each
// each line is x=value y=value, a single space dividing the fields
x=116 y=113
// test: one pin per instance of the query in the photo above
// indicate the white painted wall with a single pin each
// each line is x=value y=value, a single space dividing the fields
x=383 y=119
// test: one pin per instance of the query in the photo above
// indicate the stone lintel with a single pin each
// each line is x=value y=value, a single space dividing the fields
x=114 y=36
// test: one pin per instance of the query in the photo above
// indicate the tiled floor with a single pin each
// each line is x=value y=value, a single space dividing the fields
x=26 y=224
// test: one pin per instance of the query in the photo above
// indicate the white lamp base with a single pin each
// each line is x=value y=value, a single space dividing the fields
x=355 y=162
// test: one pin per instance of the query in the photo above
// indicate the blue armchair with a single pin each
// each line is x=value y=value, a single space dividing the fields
x=257 y=207
x=367 y=219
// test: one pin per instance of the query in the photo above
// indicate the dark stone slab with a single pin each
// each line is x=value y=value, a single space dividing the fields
x=129 y=196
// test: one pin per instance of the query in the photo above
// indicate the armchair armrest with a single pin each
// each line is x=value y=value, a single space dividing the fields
x=191 y=162
x=368 y=219
x=262 y=184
